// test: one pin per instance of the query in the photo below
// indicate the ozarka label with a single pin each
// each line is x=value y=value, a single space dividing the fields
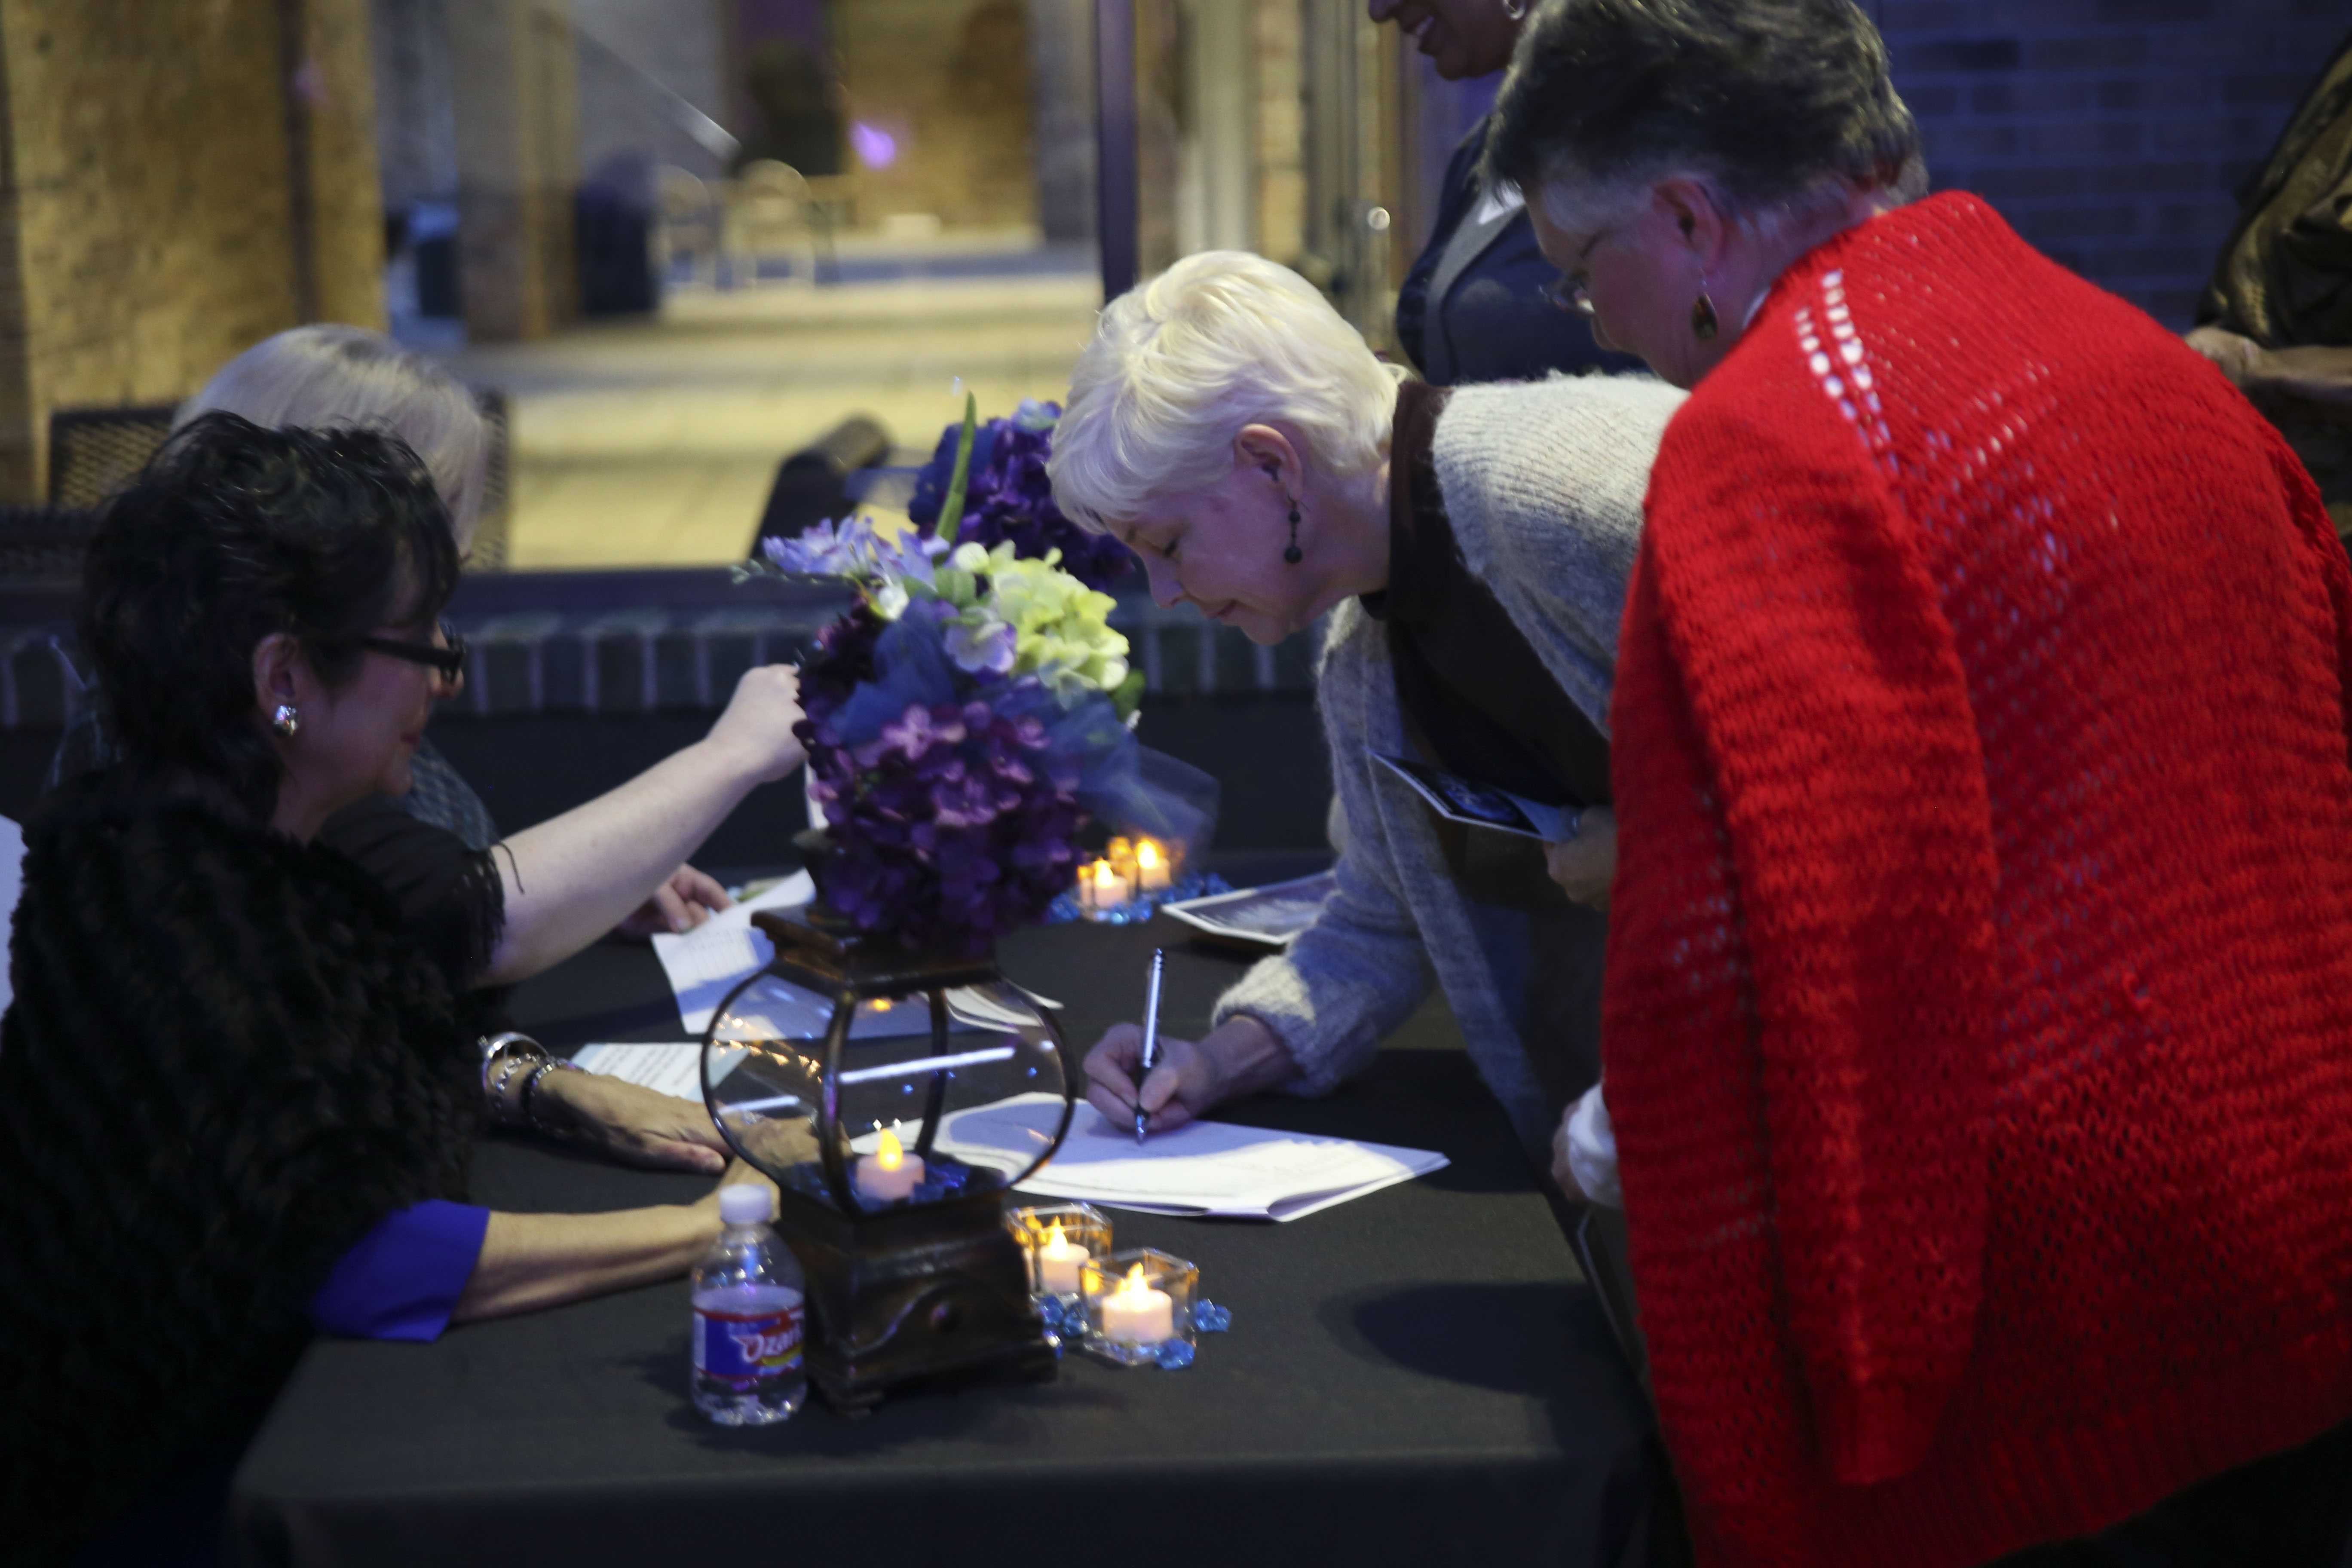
x=747 y=1344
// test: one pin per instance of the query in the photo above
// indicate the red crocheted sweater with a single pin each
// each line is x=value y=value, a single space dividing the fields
x=1978 y=1019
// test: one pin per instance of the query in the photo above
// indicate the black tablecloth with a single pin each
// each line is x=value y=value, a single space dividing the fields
x=1417 y=1375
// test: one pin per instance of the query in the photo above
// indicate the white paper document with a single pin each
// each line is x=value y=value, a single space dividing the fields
x=1208 y=1168
x=661 y=1066
x=705 y=963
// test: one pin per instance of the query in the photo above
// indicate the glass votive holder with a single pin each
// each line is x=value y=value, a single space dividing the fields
x=1056 y=1241
x=1138 y=1304
x=1102 y=890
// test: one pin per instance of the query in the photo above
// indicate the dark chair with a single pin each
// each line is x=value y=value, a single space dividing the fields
x=812 y=485
x=94 y=452
x=43 y=543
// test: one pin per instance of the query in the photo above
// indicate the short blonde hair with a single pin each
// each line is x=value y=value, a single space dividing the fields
x=320 y=377
x=1178 y=364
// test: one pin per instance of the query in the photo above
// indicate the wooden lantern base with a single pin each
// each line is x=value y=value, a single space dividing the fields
x=936 y=1291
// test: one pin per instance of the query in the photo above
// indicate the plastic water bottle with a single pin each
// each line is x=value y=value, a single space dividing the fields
x=748 y=1314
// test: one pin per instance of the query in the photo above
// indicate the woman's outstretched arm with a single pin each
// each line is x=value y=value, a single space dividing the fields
x=572 y=878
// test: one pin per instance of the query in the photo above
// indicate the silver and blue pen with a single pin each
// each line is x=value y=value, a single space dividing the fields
x=1150 y=1055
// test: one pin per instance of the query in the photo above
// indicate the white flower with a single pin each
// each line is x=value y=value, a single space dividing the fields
x=968 y=557
x=889 y=600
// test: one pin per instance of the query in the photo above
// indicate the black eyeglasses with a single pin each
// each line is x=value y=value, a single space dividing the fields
x=448 y=655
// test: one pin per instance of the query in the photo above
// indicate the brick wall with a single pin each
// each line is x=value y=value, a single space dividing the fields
x=949 y=81
x=2112 y=132
x=152 y=223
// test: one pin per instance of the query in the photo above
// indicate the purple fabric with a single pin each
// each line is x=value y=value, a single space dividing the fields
x=403 y=1278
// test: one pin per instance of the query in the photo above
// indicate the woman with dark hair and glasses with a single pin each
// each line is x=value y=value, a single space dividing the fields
x=236 y=1096
x=611 y=863
x=1978 y=1018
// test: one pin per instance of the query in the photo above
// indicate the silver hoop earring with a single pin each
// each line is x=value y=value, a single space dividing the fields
x=286 y=721
x=1516 y=10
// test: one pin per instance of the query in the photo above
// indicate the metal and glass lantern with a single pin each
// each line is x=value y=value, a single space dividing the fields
x=894 y=1098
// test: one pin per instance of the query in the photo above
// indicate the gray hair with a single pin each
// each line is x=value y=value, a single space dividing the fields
x=1180 y=363
x=1773 y=103
x=320 y=377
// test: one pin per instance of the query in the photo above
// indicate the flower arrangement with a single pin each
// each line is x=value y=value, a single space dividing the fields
x=963 y=721
x=1007 y=499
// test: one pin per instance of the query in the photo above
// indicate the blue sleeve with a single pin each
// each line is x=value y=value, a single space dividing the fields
x=403 y=1278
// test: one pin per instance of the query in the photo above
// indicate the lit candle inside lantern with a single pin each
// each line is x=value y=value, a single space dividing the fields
x=1135 y=1313
x=1150 y=867
x=1100 y=886
x=1058 y=1262
x=890 y=1173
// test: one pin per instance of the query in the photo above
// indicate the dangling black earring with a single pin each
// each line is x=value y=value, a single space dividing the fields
x=1704 y=325
x=1292 y=555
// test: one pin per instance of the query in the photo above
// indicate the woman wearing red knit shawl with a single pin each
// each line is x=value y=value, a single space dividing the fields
x=1978 y=1016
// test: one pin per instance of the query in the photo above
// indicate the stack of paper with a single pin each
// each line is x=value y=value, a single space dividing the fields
x=1205 y=1168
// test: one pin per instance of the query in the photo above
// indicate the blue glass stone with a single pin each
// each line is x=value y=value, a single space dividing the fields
x=1173 y=1355
x=1208 y=1317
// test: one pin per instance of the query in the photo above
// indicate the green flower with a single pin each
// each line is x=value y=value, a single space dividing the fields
x=1061 y=628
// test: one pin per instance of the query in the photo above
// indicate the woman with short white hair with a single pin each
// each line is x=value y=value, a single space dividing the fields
x=325 y=376
x=1470 y=549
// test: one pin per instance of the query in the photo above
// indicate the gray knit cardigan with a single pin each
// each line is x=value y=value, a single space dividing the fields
x=1543 y=482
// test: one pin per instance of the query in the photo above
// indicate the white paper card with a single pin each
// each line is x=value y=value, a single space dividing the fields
x=660 y=1065
x=705 y=963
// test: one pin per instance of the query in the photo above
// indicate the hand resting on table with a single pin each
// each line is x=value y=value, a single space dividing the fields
x=634 y=1125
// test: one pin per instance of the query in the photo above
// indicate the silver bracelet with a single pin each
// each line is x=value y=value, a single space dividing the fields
x=502 y=1057
x=531 y=1115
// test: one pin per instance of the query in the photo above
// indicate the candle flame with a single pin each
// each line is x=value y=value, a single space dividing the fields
x=1134 y=1284
x=1053 y=1234
x=1106 y=874
x=890 y=1153
x=1147 y=855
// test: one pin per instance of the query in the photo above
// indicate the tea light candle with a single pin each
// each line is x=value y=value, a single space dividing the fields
x=889 y=1174
x=1150 y=867
x=1058 y=1262
x=1136 y=1313
x=1101 y=888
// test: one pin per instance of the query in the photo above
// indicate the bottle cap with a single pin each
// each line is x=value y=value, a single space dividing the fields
x=744 y=1204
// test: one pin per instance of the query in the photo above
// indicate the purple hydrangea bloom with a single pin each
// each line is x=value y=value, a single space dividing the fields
x=956 y=822
x=1008 y=498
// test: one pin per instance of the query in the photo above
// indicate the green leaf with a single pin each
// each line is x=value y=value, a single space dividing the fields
x=952 y=508
x=1128 y=693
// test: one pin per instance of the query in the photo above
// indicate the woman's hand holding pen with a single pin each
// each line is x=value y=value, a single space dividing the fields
x=1239 y=1057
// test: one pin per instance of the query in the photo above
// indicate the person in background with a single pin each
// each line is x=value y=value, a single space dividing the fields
x=235 y=1097
x=1471 y=548
x=1472 y=307
x=494 y=910
x=2277 y=318
x=1978 y=1022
